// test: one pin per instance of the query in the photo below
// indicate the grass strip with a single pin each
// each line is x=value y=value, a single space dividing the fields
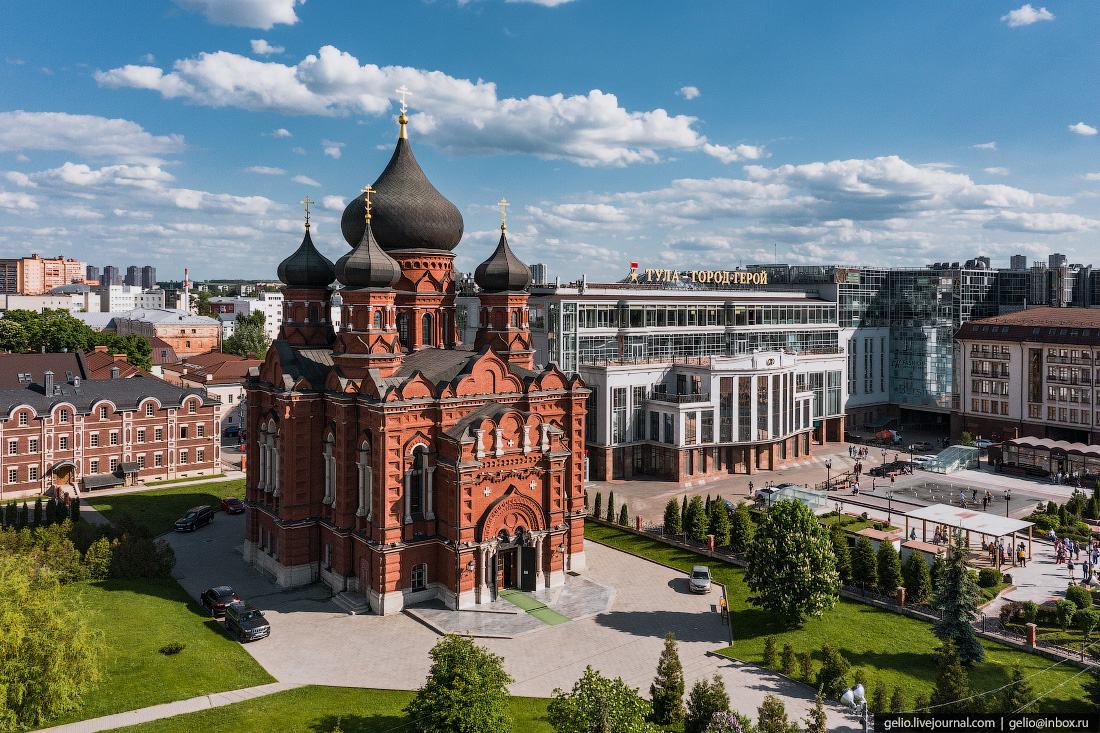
x=158 y=509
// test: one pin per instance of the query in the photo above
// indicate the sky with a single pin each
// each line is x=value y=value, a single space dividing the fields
x=702 y=135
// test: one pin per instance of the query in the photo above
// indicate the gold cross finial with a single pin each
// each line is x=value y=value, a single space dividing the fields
x=403 y=91
x=368 y=191
x=503 y=213
x=307 y=202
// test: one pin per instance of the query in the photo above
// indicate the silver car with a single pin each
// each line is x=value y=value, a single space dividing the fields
x=700 y=579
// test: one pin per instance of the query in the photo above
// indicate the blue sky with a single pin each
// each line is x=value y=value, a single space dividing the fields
x=183 y=133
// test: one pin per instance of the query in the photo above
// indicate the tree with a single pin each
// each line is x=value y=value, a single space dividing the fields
x=966 y=438
x=466 y=690
x=610 y=506
x=597 y=506
x=719 y=523
x=839 y=539
x=624 y=518
x=696 y=524
x=200 y=301
x=889 y=568
x=248 y=336
x=791 y=567
x=878 y=701
x=816 y=723
x=864 y=562
x=918 y=583
x=137 y=348
x=939 y=567
x=952 y=682
x=786 y=660
x=49 y=658
x=897 y=700
x=38 y=511
x=13 y=336
x=672 y=517
x=704 y=700
x=771 y=716
x=957 y=597
x=1085 y=619
x=833 y=674
x=599 y=705
x=1018 y=695
x=742 y=529
x=24 y=516
x=684 y=515
x=667 y=690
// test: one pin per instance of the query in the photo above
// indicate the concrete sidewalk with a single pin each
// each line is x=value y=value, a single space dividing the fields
x=167 y=710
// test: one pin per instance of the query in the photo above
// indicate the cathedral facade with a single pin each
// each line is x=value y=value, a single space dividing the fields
x=385 y=460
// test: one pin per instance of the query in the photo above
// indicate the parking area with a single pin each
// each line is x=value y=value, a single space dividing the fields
x=314 y=642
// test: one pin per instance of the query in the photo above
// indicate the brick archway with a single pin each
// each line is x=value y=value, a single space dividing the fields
x=509 y=512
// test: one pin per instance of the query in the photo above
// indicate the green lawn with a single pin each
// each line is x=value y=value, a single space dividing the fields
x=318 y=708
x=158 y=509
x=879 y=644
x=185 y=480
x=137 y=618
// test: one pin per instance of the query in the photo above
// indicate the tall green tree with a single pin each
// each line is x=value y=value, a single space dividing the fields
x=772 y=716
x=599 y=705
x=466 y=691
x=610 y=506
x=957 y=597
x=918 y=583
x=864 y=562
x=889 y=568
x=248 y=336
x=13 y=336
x=839 y=539
x=952 y=682
x=49 y=658
x=667 y=690
x=672 y=517
x=697 y=522
x=719 y=523
x=1018 y=695
x=707 y=697
x=684 y=514
x=624 y=518
x=791 y=567
x=742 y=528
x=596 y=506
x=816 y=722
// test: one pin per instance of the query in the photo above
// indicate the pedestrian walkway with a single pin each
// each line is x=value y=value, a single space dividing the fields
x=167 y=710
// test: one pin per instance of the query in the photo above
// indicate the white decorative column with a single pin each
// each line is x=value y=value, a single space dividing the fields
x=275 y=471
x=480 y=445
x=526 y=440
x=544 y=437
x=408 y=498
x=364 y=492
x=428 y=511
x=538 y=560
x=498 y=442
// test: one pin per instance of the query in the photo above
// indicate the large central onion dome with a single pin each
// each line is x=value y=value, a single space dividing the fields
x=406 y=212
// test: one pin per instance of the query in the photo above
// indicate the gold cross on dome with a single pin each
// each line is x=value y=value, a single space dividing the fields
x=368 y=191
x=307 y=202
x=403 y=91
x=503 y=212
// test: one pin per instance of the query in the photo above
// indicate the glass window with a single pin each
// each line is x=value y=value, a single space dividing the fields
x=618 y=415
x=708 y=426
x=63 y=442
x=690 y=419
x=64 y=416
x=149 y=409
x=93 y=440
x=669 y=435
x=158 y=459
x=420 y=577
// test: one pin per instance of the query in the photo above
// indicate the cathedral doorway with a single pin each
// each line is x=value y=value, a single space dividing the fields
x=507 y=566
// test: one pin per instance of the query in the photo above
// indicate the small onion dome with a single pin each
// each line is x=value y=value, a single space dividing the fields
x=503 y=271
x=366 y=265
x=407 y=212
x=306 y=268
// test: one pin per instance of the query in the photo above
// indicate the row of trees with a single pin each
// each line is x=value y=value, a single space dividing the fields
x=55 y=330
x=467 y=690
x=51 y=512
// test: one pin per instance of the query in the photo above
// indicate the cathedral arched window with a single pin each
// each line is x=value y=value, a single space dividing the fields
x=313 y=314
x=366 y=481
x=378 y=319
x=515 y=319
x=427 y=337
x=418 y=480
x=403 y=328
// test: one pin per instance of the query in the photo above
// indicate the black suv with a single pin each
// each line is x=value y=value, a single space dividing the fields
x=215 y=600
x=245 y=621
x=195 y=518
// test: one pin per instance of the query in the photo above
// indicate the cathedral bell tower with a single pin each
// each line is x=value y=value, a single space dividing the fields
x=502 y=324
x=306 y=297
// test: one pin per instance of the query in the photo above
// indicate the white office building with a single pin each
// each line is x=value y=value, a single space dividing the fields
x=225 y=309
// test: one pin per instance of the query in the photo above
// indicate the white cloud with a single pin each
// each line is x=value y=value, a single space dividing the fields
x=544 y=3
x=261 y=14
x=1043 y=223
x=84 y=134
x=997 y=171
x=306 y=180
x=332 y=149
x=14 y=200
x=459 y=116
x=149 y=58
x=1082 y=129
x=260 y=47
x=280 y=132
x=689 y=92
x=1091 y=176
x=22 y=158
x=985 y=146
x=264 y=170
x=1026 y=15
x=333 y=203
x=298 y=150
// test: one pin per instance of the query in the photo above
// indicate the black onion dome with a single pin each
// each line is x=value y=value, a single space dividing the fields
x=503 y=270
x=306 y=268
x=406 y=210
x=366 y=265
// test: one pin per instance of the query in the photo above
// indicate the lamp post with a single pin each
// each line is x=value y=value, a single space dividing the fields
x=1008 y=498
x=889 y=507
x=884 y=452
x=828 y=469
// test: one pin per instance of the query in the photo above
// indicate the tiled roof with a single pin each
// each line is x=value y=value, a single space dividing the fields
x=100 y=362
x=1076 y=326
x=124 y=394
x=160 y=346
x=214 y=367
x=64 y=366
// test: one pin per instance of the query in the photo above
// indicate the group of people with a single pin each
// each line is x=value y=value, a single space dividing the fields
x=859 y=452
x=999 y=555
x=1069 y=552
x=1066 y=478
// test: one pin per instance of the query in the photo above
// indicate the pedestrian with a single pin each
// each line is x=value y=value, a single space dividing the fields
x=1072 y=579
x=1021 y=556
x=750 y=489
x=962 y=499
x=913 y=534
x=891 y=481
x=974 y=495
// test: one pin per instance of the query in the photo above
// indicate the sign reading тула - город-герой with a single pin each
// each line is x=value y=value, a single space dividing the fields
x=717 y=277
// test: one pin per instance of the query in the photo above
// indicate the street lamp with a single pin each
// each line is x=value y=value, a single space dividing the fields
x=1008 y=498
x=889 y=507
x=828 y=469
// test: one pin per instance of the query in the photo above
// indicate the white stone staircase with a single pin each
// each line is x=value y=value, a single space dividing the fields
x=352 y=602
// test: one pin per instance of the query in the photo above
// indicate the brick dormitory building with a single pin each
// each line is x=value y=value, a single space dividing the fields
x=61 y=431
x=387 y=463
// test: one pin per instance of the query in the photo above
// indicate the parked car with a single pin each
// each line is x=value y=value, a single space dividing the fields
x=232 y=505
x=921 y=446
x=246 y=622
x=215 y=600
x=700 y=579
x=233 y=431
x=983 y=443
x=918 y=460
x=194 y=518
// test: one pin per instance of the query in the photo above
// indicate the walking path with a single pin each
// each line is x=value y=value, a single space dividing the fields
x=167 y=710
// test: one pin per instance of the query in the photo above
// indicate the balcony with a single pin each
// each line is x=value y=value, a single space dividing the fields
x=1078 y=360
x=678 y=399
x=1069 y=380
x=982 y=355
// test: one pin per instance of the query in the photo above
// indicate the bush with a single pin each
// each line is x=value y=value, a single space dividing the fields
x=988 y=577
x=597 y=506
x=1065 y=610
x=889 y=569
x=141 y=557
x=672 y=517
x=610 y=506
x=1030 y=611
x=806 y=666
x=1085 y=619
x=704 y=701
x=1010 y=612
x=878 y=701
x=833 y=673
x=1045 y=522
x=1081 y=596
x=624 y=518
x=174 y=647
x=769 y=651
x=786 y=660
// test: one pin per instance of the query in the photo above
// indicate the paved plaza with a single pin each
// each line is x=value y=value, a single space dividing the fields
x=314 y=642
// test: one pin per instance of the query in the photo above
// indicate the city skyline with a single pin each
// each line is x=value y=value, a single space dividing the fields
x=849 y=134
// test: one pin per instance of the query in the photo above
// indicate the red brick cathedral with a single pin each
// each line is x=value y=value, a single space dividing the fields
x=383 y=460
